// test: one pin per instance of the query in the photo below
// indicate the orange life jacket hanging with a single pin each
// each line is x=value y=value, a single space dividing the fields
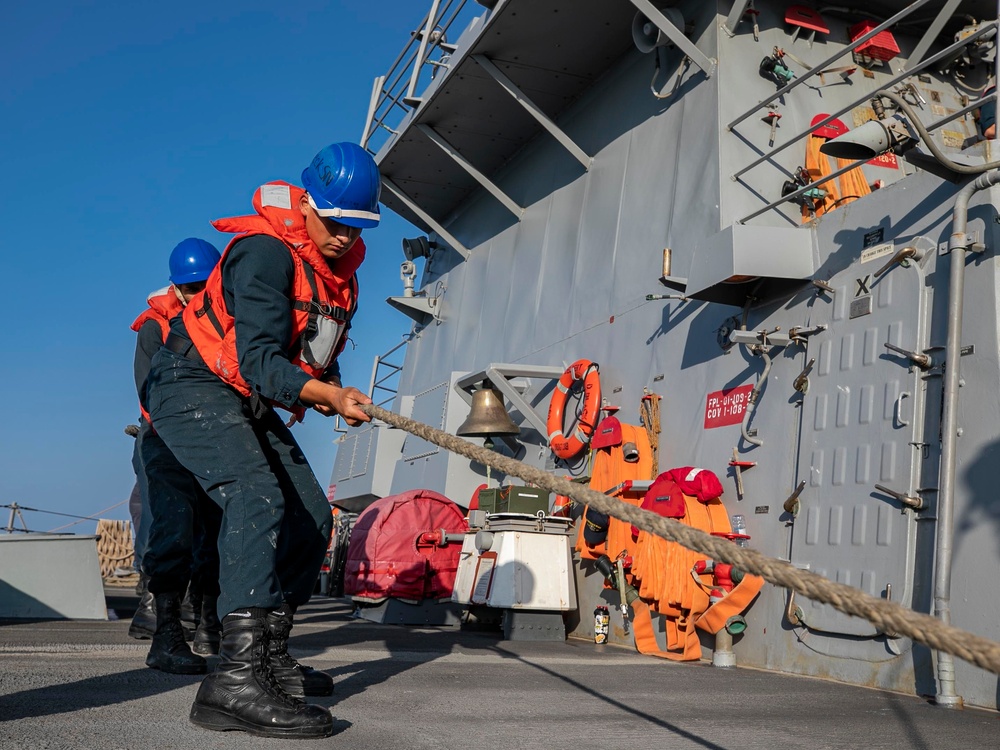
x=323 y=297
x=849 y=187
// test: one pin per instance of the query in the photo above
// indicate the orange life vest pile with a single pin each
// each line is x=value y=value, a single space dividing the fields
x=663 y=571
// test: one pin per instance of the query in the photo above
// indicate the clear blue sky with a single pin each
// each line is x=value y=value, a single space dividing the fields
x=124 y=128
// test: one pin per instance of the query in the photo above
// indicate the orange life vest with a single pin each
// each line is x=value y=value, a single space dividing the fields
x=318 y=290
x=164 y=304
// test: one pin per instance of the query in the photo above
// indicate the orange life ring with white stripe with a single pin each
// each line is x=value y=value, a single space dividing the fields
x=585 y=371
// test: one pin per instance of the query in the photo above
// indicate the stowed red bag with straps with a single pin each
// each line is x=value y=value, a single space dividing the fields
x=608 y=434
x=665 y=497
x=698 y=483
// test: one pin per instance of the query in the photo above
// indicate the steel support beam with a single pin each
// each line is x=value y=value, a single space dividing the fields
x=511 y=88
x=946 y=12
x=478 y=176
x=372 y=105
x=699 y=58
x=499 y=375
x=433 y=223
x=735 y=15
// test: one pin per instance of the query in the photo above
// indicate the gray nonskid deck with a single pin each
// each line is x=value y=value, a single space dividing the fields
x=84 y=685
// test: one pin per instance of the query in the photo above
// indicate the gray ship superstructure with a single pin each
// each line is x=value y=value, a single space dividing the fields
x=629 y=182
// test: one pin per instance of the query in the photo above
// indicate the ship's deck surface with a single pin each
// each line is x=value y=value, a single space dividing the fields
x=66 y=684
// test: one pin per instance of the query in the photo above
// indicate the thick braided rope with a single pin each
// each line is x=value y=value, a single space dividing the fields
x=649 y=413
x=887 y=616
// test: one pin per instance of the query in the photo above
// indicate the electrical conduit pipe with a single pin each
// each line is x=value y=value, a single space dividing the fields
x=958 y=244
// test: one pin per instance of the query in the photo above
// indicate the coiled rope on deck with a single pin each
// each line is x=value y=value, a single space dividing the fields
x=887 y=616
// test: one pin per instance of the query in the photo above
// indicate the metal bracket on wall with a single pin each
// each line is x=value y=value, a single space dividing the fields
x=971 y=241
x=738 y=468
x=762 y=338
x=699 y=58
x=422 y=309
x=500 y=375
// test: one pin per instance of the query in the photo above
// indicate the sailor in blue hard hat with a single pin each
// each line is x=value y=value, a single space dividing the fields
x=191 y=262
x=178 y=528
x=264 y=335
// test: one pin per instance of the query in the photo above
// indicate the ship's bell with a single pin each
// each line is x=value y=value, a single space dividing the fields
x=487 y=416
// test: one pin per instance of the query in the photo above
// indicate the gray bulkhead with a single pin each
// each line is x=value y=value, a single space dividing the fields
x=568 y=279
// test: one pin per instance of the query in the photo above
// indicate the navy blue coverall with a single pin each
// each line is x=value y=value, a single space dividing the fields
x=180 y=527
x=276 y=518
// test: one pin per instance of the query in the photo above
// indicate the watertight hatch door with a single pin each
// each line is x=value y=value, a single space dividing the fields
x=863 y=416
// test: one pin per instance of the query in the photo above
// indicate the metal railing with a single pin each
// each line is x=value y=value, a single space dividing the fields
x=822 y=66
x=833 y=175
x=383 y=371
x=388 y=371
x=395 y=94
x=895 y=80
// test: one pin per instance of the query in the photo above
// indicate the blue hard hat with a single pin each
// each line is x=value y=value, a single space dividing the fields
x=343 y=184
x=192 y=261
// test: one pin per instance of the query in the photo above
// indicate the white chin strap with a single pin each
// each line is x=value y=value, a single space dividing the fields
x=342 y=213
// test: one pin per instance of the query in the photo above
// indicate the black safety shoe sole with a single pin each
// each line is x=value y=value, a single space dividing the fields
x=139 y=632
x=218 y=721
x=296 y=690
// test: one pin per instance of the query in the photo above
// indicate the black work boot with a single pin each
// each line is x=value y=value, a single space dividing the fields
x=190 y=612
x=242 y=693
x=169 y=651
x=208 y=634
x=295 y=678
x=144 y=620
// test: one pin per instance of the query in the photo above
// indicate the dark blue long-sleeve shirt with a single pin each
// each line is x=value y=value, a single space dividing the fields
x=257 y=279
x=148 y=341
